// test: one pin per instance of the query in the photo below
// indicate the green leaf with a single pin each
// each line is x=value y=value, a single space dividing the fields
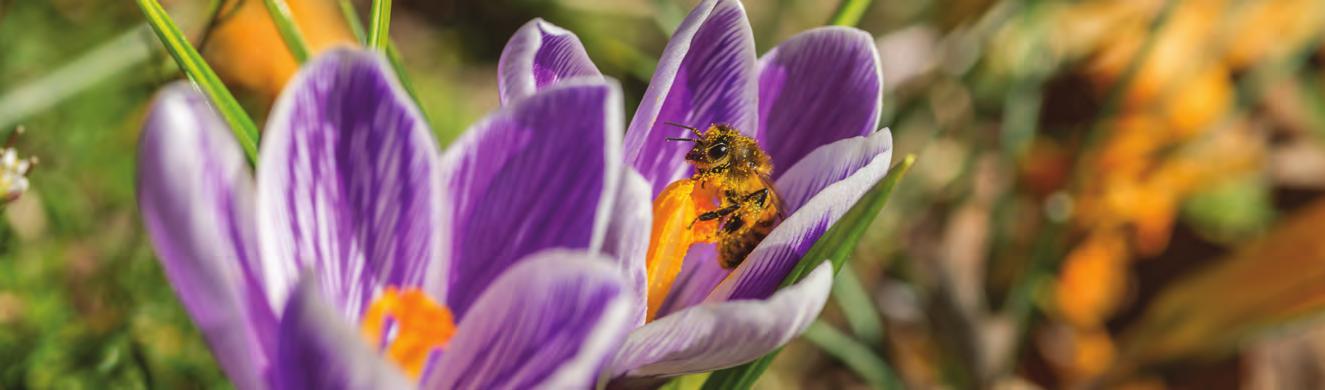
x=193 y=66
x=835 y=245
x=849 y=12
x=855 y=355
x=857 y=306
x=352 y=19
x=380 y=23
x=284 y=20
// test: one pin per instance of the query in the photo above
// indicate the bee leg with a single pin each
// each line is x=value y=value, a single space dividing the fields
x=715 y=214
x=733 y=224
x=759 y=197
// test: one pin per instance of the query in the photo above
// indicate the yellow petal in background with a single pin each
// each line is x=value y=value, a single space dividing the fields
x=248 y=53
x=1268 y=284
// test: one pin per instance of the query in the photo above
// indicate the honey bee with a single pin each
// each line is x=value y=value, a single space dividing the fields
x=737 y=171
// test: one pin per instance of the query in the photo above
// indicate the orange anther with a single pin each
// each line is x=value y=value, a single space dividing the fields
x=421 y=326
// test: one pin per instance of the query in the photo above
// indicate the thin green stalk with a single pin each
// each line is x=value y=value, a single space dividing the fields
x=849 y=12
x=352 y=19
x=284 y=20
x=119 y=54
x=858 y=357
x=857 y=306
x=193 y=66
x=379 y=24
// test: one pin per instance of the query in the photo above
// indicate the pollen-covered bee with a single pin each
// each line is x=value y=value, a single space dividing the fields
x=736 y=171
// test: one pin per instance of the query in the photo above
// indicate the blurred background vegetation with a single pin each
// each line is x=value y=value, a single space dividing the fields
x=1108 y=193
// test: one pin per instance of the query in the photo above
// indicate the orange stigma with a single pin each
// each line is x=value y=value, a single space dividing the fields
x=674 y=231
x=421 y=326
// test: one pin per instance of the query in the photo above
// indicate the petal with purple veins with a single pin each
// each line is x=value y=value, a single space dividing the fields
x=348 y=182
x=706 y=75
x=763 y=270
x=628 y=236
x=818 y=87
x=540 y=173
x=829 y=164
x=319 y=350
x=551 y=321
x=539 y=55
x=712 y=336
x=700 y=273
x=196 y=196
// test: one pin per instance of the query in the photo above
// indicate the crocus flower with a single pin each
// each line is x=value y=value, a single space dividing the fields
x=357 y=256
x=812 y=102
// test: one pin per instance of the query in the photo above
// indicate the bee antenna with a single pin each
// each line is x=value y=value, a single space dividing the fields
x=682 y=139
x=691 y=128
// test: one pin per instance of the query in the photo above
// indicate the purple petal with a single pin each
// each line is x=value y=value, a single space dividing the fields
x=196 y=196
x=540 y=173
x=347 y=181
x=829 y=164
x=820 y=86
x=538 y=56
x=706 y=75
x=628 y=237
x=319 y=350
x=763 y=270
x=700 y=273
x=551 y=322
x=719 y=335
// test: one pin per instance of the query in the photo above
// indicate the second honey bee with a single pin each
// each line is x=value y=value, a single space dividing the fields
x=737 y=171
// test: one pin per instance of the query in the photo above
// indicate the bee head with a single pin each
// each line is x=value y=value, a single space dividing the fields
x=723 y=146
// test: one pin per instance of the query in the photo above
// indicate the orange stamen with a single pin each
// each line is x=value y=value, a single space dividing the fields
x=421 y=326
x=674 y=212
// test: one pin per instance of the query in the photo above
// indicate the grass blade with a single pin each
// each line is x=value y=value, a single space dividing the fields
x=379 y=24
x=107 y=60
x=352 y=19
x=193 y=66
x=835 y=245
x=855 y=355
x=857 y=306
x=284 y=20
x=849 y=12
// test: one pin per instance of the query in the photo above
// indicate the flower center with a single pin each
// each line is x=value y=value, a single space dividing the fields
x=674 y=231
x=407 y=326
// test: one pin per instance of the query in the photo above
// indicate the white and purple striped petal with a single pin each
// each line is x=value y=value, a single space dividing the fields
x=834 y=177
x=539 y=55
x=818 y=87
x=627 y=239
x=348 y=182
x=550 y=322
x=705 y=75
x=319 y=350
x=196 y=196
x=539 y=173
x=712 y=336
x=700 y=273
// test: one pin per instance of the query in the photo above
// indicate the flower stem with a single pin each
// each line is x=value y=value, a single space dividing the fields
x=193 y=66
x=849 y=12
x=285 y=25
x=379 y=24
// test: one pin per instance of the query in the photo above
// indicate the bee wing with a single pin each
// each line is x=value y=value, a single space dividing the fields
x=777 y=199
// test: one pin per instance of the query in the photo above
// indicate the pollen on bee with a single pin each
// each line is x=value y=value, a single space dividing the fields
x=407 y=326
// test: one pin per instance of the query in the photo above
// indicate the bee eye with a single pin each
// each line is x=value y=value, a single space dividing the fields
x=717 y=152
